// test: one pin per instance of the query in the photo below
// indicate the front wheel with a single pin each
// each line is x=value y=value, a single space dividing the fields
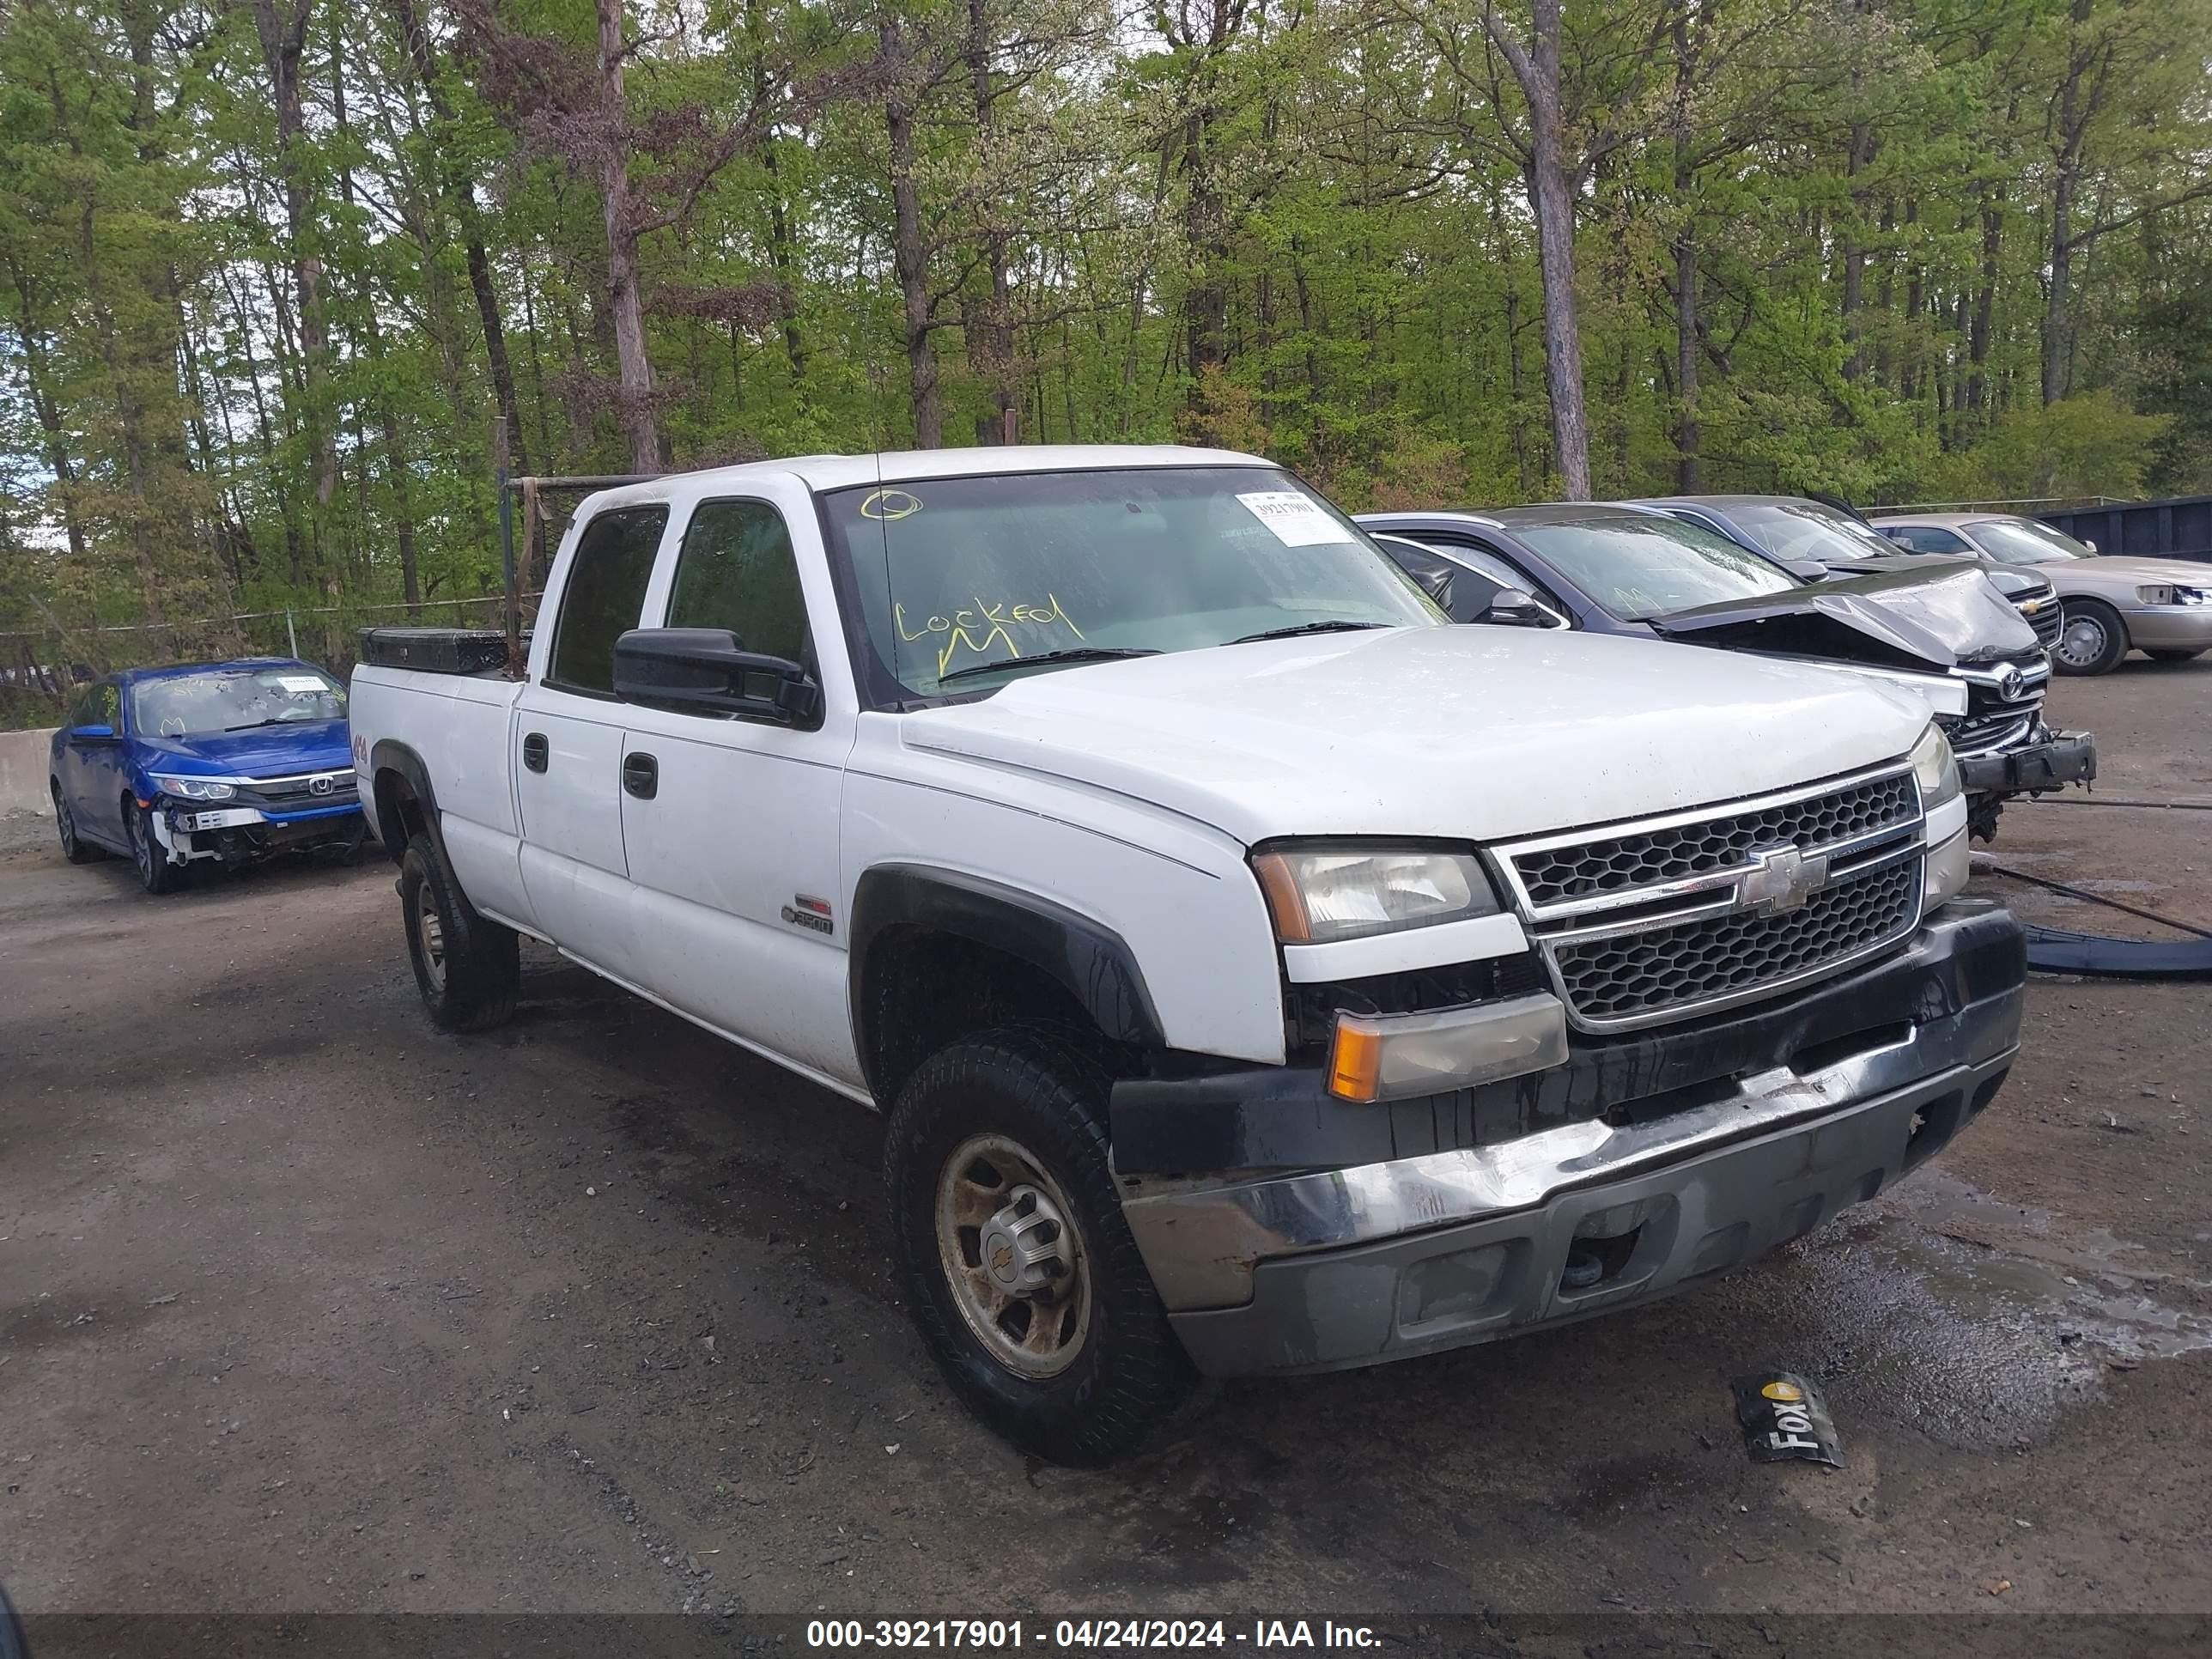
x=468 y=969
x=74 y=849
x=156 y=874
x=2091 y=639
x=1010 y=1245
x=2173 y=656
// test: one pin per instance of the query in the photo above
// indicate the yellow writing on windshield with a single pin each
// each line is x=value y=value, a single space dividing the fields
x=975 y=628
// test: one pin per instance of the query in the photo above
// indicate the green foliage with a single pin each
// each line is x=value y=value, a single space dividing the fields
x=1302 y=228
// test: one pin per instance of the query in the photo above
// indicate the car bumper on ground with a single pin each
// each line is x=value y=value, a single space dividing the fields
x=2062 y=758
x=2170 y=627
x=1321 y=1269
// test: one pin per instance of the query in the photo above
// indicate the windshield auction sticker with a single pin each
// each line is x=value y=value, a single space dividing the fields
x=1297 y=519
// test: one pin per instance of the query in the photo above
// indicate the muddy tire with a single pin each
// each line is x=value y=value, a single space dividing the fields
x=1011 y=1248
x=468 y=969
x=74 y=848
x=2091 y=638
x=155 y=873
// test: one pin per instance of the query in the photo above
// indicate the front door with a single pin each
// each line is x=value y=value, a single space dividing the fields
x=568 y=746
x=96 y=779
x=731 y=824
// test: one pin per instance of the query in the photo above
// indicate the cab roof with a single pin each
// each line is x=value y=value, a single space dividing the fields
x=821 y=473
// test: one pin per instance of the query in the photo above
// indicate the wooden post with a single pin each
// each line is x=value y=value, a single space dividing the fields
x=499 y=450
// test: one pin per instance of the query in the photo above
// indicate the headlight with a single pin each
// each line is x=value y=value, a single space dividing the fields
x=1320 y=894
x=1937 y=773
x=195 y=788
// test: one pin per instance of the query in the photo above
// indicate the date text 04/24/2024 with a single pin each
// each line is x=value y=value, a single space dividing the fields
x=988 y=1635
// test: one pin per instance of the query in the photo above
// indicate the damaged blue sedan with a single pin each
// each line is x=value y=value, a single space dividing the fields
x=204 y=763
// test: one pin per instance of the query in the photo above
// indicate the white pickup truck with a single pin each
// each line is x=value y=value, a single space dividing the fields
x=1259 y=973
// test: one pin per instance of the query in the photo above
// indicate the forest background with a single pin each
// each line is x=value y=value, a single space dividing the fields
x=277 y=276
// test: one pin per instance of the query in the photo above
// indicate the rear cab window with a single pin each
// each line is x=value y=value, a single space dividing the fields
x=604 y=597
x=737 y=570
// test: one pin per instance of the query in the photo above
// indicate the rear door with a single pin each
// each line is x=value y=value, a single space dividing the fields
x=730 y=821
x=568 y=739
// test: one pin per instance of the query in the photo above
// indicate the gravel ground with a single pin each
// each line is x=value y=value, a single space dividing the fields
x=305 y=1307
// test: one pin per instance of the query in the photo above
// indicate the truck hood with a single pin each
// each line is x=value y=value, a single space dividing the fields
x=1896 y=619
x=1468 y=733
x=270 y=751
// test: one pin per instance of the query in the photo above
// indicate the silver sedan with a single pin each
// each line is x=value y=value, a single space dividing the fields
x=2111 y=605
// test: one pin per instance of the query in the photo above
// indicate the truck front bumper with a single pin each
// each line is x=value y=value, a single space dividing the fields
x=2062 y=758
x=1323 y=1269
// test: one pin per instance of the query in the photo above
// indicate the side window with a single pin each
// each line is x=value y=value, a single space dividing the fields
x=107 y=707
x=1928 y=538
x=80 y=711
x=738 y=571
x=605 y=592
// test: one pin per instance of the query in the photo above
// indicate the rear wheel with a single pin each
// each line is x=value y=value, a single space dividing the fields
x=74 y=850
x=2091 y=639
x=1010 y=1243
x=156 y=874
x=468 y=969
x=2173 y=656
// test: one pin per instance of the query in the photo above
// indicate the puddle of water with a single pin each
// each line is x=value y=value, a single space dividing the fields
x=1978 y=1320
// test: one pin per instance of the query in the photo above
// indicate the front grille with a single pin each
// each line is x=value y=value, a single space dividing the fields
x=1620 y=863
x=2044 y=622
x=1612 y=981
x=298 y=794
x=1987 y=733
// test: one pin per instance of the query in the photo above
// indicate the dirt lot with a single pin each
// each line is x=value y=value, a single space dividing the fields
x=304 y=1307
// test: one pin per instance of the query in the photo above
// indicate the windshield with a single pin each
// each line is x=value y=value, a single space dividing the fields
x=1637 y=568
x=235 y=699
x=964 y=583
x=2017 y=542
x=1806 y=529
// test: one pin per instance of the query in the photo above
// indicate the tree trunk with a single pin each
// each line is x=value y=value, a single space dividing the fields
x=625 y=304
x=990 y=329
x=1535 y=65
x=1861 y=153
x=463 y=194
x=2077 y=106
x=779 y=250
x=1552 y=198
x=284 y=40
x=2056 y=319
x=910 y=256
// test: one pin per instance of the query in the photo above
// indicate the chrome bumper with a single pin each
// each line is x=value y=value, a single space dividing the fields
x=1349 y=1266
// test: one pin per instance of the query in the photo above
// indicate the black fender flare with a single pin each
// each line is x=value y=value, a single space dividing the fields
x=1091 y=962
x=390 y=754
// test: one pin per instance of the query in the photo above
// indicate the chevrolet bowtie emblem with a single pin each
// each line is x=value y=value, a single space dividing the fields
x=1781 y=879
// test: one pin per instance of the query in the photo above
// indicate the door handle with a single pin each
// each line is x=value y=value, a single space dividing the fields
x=641 y=775
x=534 y=751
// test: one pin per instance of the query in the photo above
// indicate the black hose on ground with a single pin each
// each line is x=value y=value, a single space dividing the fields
x=2087 y=896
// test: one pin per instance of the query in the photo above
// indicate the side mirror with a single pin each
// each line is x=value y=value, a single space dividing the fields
x=708 y=670
x=2086 y=543
x=1512 y=607
x=92 y=734
x=1809 y=570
